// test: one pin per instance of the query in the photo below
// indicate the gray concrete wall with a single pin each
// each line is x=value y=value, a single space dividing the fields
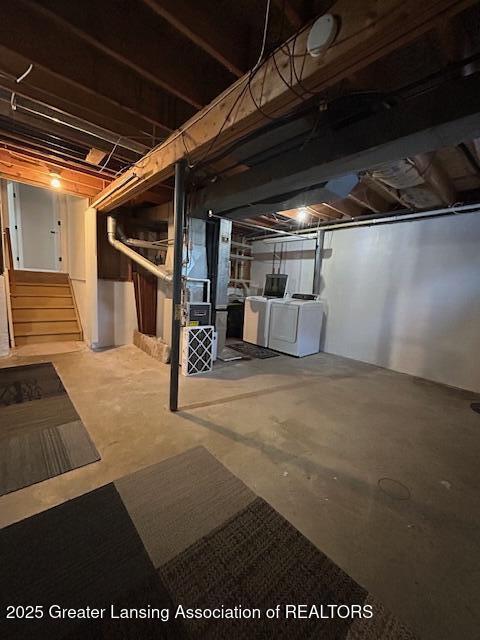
x=407 y=297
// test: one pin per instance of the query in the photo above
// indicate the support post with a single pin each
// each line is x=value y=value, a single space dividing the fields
x=179 y=221
x=317 y=279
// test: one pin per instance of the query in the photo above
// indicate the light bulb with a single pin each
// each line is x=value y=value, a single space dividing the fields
x=55 y=183
x=302 y=214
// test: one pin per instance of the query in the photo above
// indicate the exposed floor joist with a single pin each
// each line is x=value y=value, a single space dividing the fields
x=221 y=39
x=418 y=126
x=383 y=28
x=22 y=169
x=47 y=88
x=83 y=66
x=142 y=50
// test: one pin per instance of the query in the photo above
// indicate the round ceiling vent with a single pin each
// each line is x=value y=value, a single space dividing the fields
x=322 y=34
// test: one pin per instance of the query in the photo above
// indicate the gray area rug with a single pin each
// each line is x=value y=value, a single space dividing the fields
x=41 y=434
x=182 y=533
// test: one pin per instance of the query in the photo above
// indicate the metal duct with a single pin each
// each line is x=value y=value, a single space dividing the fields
x=406 y=177
x=158 y=270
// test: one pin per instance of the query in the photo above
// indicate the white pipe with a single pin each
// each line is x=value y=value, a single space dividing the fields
x=145 y=244
x=158 y=270
x=307 y=234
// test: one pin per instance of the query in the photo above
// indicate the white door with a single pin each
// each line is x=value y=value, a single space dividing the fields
x=39 y=229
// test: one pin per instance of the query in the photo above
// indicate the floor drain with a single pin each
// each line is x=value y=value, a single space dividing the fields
x=394 y=489
x=475 y=406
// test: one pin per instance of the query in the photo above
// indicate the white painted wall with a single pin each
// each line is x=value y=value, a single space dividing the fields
x=407 y=297
x=117 y=316
x=404 y=296
x=90 y=328
x=74 y=232
x=293 y=257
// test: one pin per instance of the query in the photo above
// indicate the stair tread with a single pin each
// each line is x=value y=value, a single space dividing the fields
x=41 y=284
x=45 y=320
x=44 y=311
x=54 y=337
x=66 y=306
x=36 y=295
x=47 y=333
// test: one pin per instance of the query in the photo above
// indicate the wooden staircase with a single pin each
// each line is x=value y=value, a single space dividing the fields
x=43 y=308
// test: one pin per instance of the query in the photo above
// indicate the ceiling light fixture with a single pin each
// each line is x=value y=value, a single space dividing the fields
x=302 y=214
x=55 y=180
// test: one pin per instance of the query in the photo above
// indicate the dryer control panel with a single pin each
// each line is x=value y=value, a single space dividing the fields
x=304 y=296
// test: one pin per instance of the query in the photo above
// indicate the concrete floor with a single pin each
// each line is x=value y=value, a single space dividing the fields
x=323 y=439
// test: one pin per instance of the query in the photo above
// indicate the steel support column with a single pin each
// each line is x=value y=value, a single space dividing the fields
x=179 y=224
x=317 y=273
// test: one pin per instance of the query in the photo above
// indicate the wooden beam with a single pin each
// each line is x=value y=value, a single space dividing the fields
x=223 y=40
x=95 y=156
x=431 y=170
x=29 y=33
x=476 y=144
x=389 y=193
x=346 y=208
x=19 y=168
x=291 y=14
x=369 y=199
x=117 y=30
x=369 y=30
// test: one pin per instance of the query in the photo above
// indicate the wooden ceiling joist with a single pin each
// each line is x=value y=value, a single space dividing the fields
x=141 y=42
x=291 y=13
x=81 y=65
x=220 y=38
x=36 y=123
x=369 y=30
x=20 y=169
x=431 y=170
x=49 y=158
x=46 y=88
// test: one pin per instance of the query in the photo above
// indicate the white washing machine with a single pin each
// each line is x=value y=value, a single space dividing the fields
x=296 y=325
x=256 y=319
x=256 y=316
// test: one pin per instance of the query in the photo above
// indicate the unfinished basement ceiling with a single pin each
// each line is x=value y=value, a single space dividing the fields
x=128 y=73
x=132 y=71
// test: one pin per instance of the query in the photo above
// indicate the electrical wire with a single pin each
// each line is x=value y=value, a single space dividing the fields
x=13 y=97
x=242 y=93
x=110 y=155
x=264 y=39
x=181 y=131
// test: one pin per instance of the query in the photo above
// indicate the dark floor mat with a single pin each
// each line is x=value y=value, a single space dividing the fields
x=253 y=350
x=184 y=535
x=29 y=382
x=85 y=552
x=41 y=434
